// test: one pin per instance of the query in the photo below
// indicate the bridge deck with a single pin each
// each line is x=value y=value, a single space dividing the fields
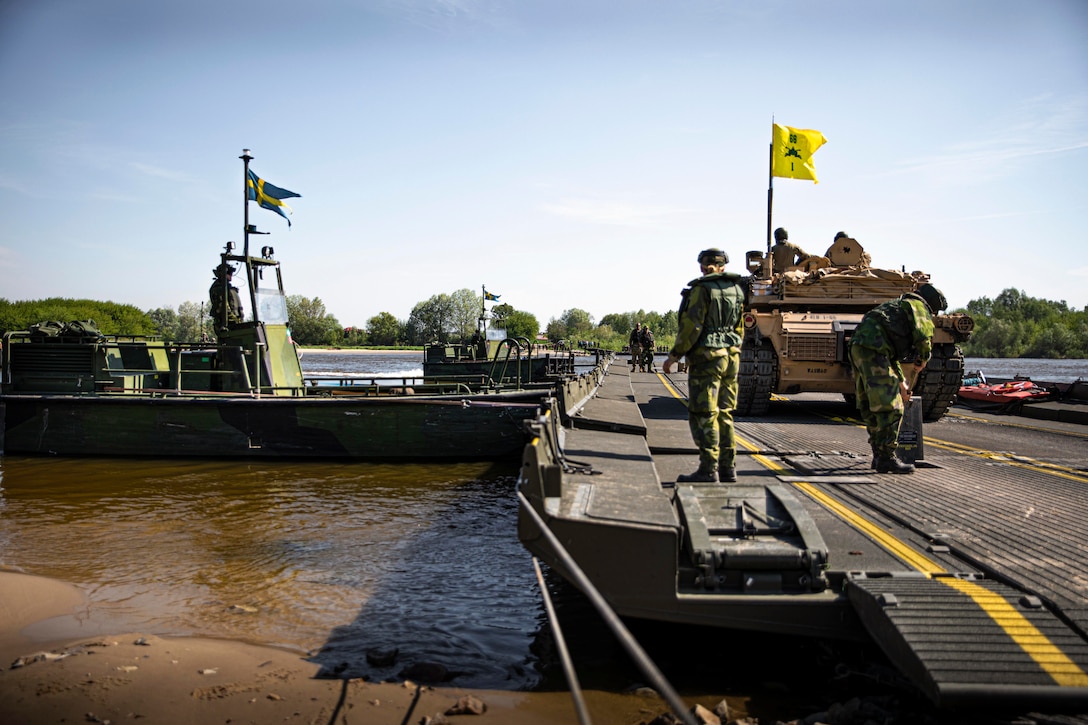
x=971 y=574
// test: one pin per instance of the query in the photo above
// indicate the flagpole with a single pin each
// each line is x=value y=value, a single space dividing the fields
x=245 y=157
x=481 y=323
x=770 y=186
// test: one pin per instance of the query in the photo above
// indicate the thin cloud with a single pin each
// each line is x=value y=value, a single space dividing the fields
x=159 y=173
x=113 y=196
x=614 y=213
x=8 y=258
x=445 y=16
x=993 y=155
x=10 y=184
x=1036 y=127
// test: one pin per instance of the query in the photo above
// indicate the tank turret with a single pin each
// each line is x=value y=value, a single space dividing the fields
x=798 y=324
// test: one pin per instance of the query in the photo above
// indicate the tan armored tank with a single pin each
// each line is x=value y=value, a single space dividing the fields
x=799 y=321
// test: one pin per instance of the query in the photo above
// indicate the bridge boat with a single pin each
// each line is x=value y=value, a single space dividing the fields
x=77 y=392
x=70 y=390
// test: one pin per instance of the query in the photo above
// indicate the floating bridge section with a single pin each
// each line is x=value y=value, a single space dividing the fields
x=971 y=574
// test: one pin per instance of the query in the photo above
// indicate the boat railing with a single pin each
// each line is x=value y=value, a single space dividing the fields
x=510 y=344
x=361 y=385
x=130 y=365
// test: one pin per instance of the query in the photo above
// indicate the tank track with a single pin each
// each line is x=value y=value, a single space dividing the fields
x=940 y=381
x=757 y=378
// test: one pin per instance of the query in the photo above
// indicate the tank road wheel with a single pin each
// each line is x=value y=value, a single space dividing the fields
x=940 y=381
x=758 y=375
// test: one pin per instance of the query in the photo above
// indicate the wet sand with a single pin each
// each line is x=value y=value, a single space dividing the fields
x=129 y=675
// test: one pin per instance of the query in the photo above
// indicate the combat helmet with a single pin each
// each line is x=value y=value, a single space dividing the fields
x=222 y=269
x=933 y=297
x=781 y=234
x=713 y=256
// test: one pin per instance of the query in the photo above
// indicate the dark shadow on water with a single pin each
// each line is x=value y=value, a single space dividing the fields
x=460 y=605
x=463 y=609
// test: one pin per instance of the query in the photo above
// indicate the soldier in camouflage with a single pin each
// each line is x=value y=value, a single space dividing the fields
x=226 y=304
x=635 y=344
x=711 y=328
x=893 y=333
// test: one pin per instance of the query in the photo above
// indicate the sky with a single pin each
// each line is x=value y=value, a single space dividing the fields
x=563 y=153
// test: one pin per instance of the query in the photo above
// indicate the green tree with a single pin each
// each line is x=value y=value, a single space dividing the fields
x=1016 y=325
x=499 y=313
x=556 y=331
x=577 y=323
x=465 y=308
x=621 y=323
x=192 y=321
x=110 y=318
x=431 y=320
x=166 y=322
x=521 y=324
x=383 y=329
x=310 y=323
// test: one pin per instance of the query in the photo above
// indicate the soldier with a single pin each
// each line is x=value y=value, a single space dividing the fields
x=711 y=329
x=897 y=331
x=226 y=304
x=783 y=253
x=648 y=346
x=634 y=342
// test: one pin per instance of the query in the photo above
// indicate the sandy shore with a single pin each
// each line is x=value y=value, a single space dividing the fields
x=130 y=675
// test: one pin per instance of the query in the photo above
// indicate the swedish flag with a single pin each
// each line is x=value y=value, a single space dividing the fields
x=268 y=195
x=490 y=297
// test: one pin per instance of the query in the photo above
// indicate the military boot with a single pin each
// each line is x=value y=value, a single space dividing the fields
x=698 y=477
x=891 y=464
x=727 y=474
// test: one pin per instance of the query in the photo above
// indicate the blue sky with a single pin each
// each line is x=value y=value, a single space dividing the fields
x=564 y=154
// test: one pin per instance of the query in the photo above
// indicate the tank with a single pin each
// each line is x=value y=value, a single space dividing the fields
x=798 y=324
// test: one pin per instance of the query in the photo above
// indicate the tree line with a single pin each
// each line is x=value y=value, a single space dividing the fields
x=1010 y=325
x=1016 y=325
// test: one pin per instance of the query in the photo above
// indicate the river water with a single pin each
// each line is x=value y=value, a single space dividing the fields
x=338 y=560
x=1038 y=369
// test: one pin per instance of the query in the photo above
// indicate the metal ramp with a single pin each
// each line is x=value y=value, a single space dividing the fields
x=745 y=538
x=966 y=640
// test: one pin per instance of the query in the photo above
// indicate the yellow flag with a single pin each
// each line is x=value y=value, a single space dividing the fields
x=792 y=150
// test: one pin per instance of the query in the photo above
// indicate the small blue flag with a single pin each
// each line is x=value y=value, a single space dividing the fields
x=268 y=195
x=490 y=297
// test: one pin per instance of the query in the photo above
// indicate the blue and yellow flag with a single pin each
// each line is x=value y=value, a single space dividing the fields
x=792 y=150
x=268 y=195
x=490 y=297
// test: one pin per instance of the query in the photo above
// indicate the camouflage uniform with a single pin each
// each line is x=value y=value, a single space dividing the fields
x=226 y=304
x=648 y=348
x=711 y=328
x=897 y=330
x=635 y=344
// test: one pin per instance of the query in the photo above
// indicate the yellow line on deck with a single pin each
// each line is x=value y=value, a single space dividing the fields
x=1064 y=671
x=1034 y=643
x=1013 y=424
x=1026 y=463
x=1046 y=654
